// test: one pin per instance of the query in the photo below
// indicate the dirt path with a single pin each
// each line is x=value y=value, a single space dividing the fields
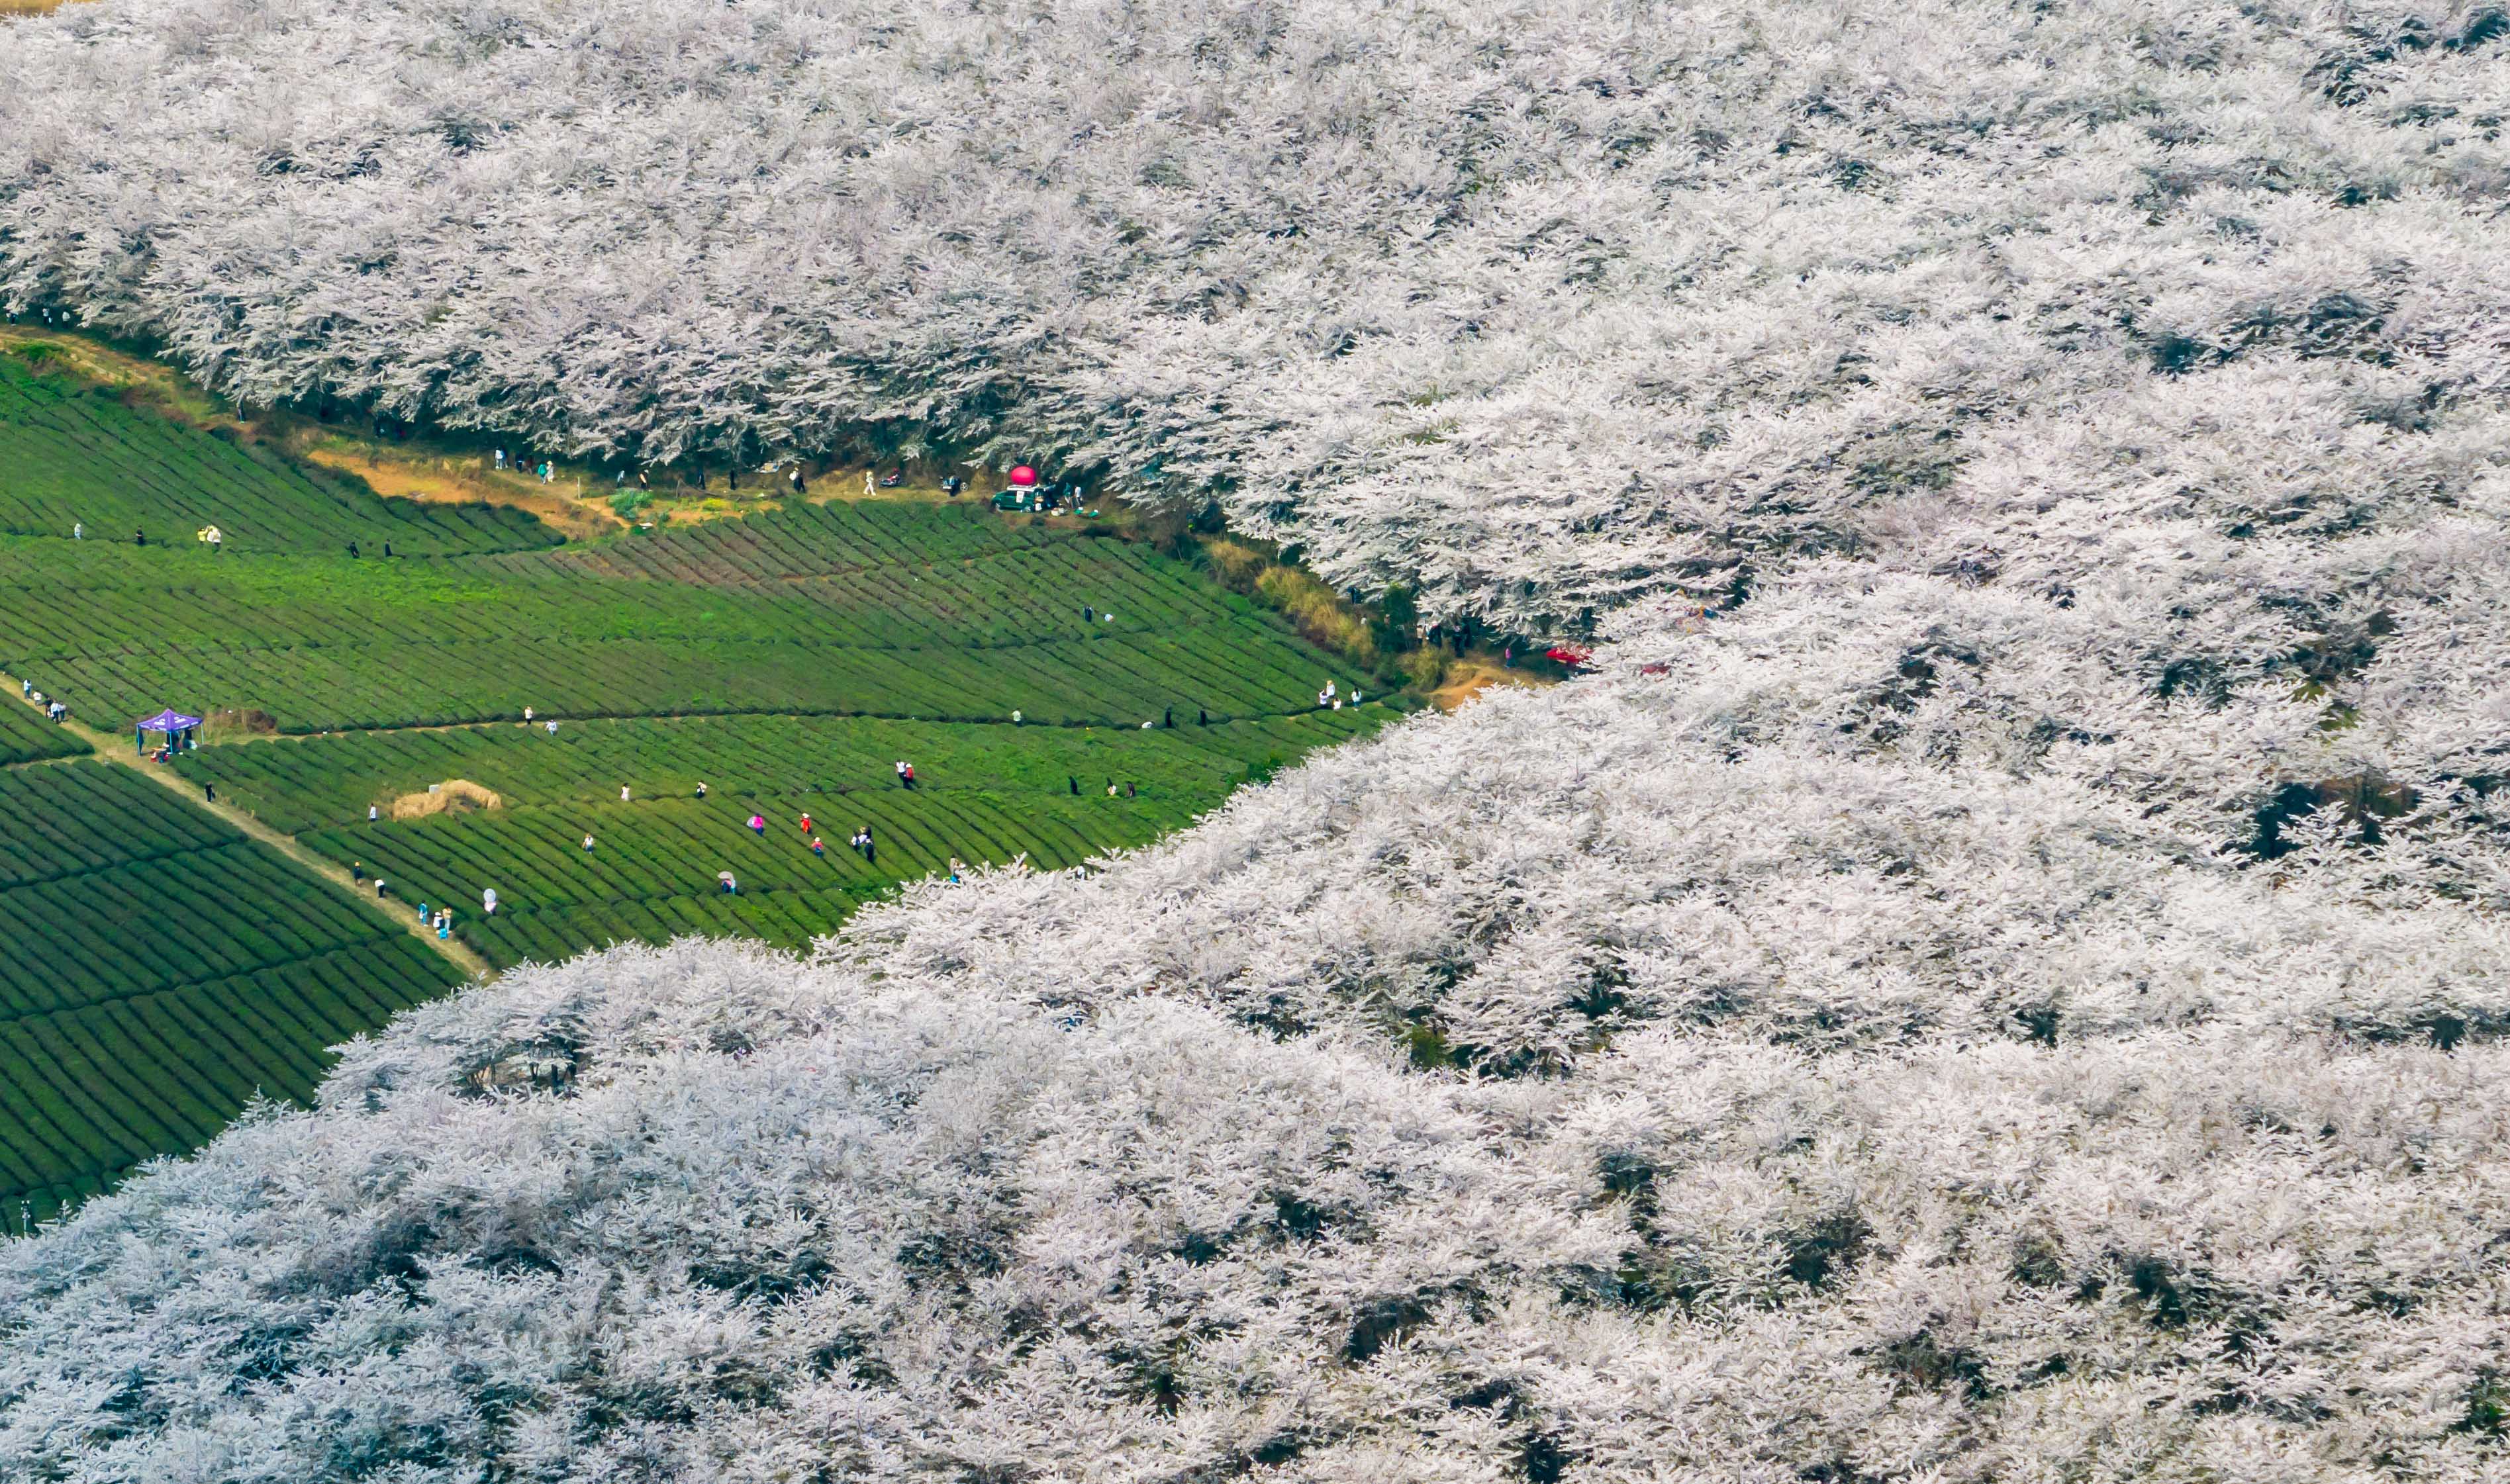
x=108 y=750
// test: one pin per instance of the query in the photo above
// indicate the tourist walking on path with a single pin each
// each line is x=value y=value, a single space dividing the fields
x=209 y=793
x=379 y=889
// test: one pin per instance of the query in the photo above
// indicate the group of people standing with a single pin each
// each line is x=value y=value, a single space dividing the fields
x=53 y=708
x=861 y=842
x=544 y=471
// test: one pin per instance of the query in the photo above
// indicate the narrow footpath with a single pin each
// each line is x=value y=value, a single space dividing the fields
x=109 y=751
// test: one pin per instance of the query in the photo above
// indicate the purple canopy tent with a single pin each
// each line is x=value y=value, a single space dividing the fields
x=176 y=726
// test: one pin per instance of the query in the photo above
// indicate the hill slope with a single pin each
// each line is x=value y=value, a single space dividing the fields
x=2013 y=992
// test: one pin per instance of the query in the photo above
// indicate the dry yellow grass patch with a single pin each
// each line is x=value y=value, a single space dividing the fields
x=452 y=796
x=9 y=7
x=456 y=480
x=147 y=382
x=1474 y=675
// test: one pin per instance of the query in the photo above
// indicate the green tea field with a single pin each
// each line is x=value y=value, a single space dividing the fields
x=74 y=459
x=25 y=735
x=368 y=665
x=163 y=970
x=985 y=794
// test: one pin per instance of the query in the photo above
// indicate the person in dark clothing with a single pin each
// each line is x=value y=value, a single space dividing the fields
x=139 y=538
x=387 y=548
x=1087 y=617
x=1202 y=717
x=209 y=793
x=1167 y=716
x=353 y=549
x=1129 y=788
x=1075 y=782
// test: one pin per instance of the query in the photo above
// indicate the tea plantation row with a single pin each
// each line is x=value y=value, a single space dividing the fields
x=163 y=971
x=984 y=795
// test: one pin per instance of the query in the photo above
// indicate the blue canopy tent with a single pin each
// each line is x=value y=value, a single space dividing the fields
x=176 y=726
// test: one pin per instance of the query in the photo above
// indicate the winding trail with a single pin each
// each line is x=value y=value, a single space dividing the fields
x=108 y=750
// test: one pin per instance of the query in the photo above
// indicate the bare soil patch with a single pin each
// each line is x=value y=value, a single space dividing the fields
x=452 y=796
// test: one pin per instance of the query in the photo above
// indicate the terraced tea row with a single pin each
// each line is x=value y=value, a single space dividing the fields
x=323 y=642
x=165 y=972
x=300 y=784
x=985 y=794
x=802 y=540
x=24 y=735
x=73 y=455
